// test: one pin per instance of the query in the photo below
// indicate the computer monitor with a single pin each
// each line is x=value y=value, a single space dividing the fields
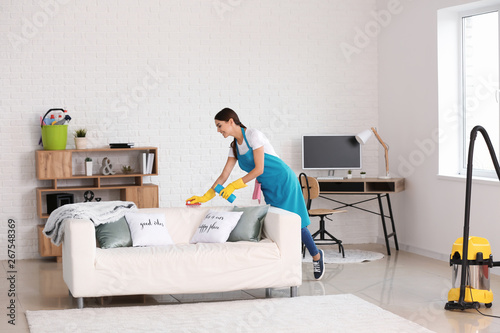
x=330 y=152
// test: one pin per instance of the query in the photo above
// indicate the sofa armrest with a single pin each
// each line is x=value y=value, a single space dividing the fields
x=78 y=253
x=283 y=228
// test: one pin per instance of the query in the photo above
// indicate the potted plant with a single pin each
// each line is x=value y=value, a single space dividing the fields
x=362 y=174
x=88 y=166
x=80 y=138
x=127 y=169
x=349 y=174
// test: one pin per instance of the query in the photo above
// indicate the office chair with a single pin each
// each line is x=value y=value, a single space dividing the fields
x=310 y=190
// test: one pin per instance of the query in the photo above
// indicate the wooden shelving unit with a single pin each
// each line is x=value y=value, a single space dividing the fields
x=57 y=166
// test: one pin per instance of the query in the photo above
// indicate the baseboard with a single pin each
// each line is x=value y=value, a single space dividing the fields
x=426 y=253
x=417 y=250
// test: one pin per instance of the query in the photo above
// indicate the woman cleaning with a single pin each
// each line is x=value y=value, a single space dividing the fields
x=256 y=156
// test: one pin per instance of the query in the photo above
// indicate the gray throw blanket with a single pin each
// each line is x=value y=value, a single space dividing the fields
x=97 y=212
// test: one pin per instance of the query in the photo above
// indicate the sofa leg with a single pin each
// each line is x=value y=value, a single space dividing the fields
x=79 y=302
x=268 y=292
x=293 y=291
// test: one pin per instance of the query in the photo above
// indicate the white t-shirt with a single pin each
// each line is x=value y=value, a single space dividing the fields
x=256 y=139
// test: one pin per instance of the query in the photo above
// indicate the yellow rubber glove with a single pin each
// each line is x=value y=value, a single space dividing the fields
x=206 y=197
x=237 y=184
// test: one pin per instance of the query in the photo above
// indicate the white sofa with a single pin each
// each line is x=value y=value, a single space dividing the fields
x=183 y=268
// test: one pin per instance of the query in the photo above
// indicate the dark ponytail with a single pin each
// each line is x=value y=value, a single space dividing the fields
x=226 y=114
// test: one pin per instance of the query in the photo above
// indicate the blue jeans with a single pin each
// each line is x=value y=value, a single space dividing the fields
x=309 y=242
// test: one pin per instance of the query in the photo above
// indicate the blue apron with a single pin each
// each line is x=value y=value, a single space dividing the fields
x=279 y=184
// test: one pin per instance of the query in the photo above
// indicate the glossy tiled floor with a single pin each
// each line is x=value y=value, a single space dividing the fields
x=406 y=284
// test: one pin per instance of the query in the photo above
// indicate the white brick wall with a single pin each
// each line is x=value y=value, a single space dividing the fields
x=156 y=72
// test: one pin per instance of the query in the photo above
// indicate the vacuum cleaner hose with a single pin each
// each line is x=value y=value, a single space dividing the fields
x=468 y=190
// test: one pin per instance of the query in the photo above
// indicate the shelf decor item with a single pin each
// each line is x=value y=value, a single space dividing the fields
x=349 y=174
x=80 y=138
x=362 y=174
x=88 y=166
x=54 y=136
x=127 y=169
x=107 y=167
x=57 y=200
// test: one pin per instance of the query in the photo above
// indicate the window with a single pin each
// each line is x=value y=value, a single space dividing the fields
x=479 y=87
x=468 y=81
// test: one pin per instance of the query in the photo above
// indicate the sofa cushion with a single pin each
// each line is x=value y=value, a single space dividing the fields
x=216 y=227
x=113 y=234
x=249 y=227
x=197 y=268
x=148 y=229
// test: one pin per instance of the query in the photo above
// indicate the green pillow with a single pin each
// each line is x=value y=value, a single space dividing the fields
x=113 y=234
x=249 y=227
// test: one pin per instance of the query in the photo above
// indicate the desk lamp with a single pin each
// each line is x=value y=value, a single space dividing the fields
x=363 y=137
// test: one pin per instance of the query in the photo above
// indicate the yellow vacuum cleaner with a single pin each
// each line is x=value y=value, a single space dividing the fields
x=477 y=288
x=471 y=257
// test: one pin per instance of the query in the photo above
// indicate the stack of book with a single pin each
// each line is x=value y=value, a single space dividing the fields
x=146 y=161
x=121 y=145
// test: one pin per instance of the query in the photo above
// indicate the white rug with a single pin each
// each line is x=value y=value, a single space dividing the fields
x=332 y=256
x=333 y=313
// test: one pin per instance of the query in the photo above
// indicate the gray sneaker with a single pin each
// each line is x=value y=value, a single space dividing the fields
x=319 y=266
